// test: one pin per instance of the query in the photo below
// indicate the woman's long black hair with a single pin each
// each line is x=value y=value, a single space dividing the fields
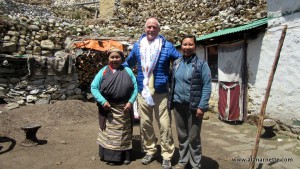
x=188 y=36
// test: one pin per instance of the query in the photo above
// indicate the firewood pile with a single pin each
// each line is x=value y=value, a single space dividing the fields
x=90 y=59
x=88 y=63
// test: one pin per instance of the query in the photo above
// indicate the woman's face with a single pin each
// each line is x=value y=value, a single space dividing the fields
x=188 y=47
x=114 y=60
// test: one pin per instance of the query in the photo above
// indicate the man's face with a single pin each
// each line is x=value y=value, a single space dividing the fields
x=152 y=29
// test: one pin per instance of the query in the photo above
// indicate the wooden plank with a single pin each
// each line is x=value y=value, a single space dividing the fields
x=86 y=3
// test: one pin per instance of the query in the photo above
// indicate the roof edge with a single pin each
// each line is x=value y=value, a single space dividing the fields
x=248 y=26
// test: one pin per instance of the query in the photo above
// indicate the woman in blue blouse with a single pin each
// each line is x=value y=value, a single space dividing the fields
x=189 y=96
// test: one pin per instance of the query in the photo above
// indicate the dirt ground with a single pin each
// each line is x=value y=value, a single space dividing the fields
x=67 y=140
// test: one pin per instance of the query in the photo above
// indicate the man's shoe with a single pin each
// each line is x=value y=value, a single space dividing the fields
x=147 y=159
x=166 y=164
x=179 y=166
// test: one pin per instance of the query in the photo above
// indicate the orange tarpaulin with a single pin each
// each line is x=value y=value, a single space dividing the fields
x=102 y=45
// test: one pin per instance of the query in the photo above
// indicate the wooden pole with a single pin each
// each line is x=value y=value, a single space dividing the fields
x=265 y=101
x=86 y=3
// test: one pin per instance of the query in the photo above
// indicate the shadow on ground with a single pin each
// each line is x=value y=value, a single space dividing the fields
x=10 y=147
x=207 y=162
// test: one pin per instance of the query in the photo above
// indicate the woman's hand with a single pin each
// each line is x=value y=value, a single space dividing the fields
x=106 y=106
x=127 y=107
x=199 y=113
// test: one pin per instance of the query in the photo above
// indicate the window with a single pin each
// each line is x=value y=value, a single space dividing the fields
x=212 y=60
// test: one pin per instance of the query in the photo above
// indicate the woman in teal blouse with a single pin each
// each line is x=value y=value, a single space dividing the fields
x=115 y=90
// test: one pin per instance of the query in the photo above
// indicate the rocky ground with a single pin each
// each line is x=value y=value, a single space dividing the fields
x=44 y=11
x=177 y=17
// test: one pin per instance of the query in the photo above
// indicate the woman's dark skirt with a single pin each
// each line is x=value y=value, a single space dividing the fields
x=113 y=155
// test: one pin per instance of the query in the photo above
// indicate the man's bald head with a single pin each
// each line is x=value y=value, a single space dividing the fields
x=152 y=28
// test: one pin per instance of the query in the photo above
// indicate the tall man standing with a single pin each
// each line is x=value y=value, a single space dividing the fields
x=153 y=54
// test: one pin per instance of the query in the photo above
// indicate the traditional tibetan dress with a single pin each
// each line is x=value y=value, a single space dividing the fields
x=115 y=133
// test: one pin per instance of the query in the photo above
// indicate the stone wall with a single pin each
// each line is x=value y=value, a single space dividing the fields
x=179 y=17
x=37 y=37
x=283 y=101
x=30 y=32
x=38 y=63
x=23 y=82
x=71 y=2
x=107 y=9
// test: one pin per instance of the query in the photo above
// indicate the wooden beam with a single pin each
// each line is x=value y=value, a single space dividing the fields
x=86 y=3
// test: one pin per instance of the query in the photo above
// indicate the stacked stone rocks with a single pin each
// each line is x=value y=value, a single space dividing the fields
x=198 y=17
x=177 y=17
x=31 y=31
x=38 y=37
x=20 y=86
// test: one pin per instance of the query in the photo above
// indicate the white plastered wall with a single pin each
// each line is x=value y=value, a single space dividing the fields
x=283 y=103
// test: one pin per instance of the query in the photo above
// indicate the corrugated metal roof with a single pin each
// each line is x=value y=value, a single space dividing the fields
x=251 y=25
